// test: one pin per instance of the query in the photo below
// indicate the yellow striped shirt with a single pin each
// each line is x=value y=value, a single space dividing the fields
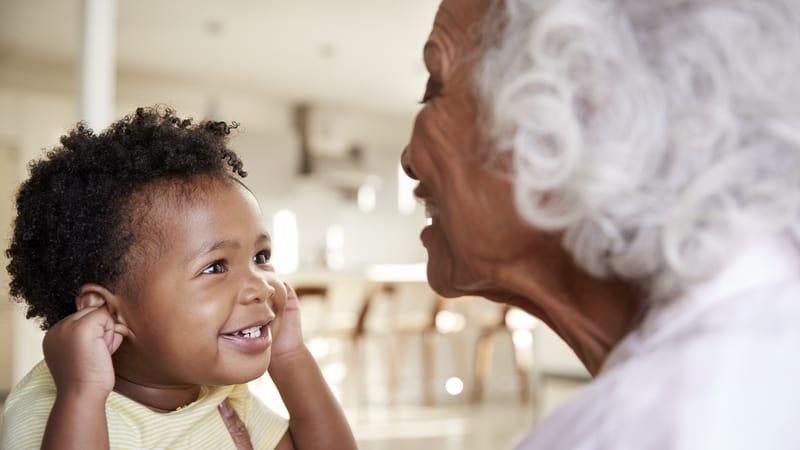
x=131 y=425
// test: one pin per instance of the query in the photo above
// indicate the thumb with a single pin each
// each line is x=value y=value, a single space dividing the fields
x=113 y=336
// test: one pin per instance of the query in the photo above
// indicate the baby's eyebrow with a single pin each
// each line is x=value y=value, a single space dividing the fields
x=263 y=238
x=211 y=246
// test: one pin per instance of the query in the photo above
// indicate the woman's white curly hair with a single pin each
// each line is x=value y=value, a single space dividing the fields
x=651 y=132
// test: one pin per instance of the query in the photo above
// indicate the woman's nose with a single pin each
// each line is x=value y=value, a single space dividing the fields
x=405 y=161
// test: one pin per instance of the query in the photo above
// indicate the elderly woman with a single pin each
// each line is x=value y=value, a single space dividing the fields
x=628 y=171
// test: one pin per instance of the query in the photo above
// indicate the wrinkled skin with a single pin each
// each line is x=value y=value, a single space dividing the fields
x=477 y=243
x=475 y=226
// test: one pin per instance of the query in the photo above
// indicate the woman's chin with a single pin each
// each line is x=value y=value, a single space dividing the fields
x=439 y=278
x=441 y=269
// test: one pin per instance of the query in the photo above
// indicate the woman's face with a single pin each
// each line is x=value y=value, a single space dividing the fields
x=474 y=226
x=203 y=298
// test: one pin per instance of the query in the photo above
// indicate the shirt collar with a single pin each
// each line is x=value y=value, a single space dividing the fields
x=758 y=261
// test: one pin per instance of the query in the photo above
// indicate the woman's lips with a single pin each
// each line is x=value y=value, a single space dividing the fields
x=423 y=195
x=431 y=211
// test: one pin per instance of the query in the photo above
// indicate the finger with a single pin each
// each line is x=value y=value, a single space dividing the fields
x=81 y=313
x=123 y=330
x=290 y=293
x=112 y=339
x=291 y=298
x=117 y=334
x=235 y=426
x=97 y=314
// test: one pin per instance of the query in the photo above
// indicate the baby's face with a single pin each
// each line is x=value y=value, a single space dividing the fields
x=203 y=306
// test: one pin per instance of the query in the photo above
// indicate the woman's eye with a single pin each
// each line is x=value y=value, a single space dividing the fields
x=262 y=258
x=431 y=90
x=215 y=267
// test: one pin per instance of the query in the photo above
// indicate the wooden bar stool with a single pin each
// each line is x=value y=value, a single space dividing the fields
x=522 y=352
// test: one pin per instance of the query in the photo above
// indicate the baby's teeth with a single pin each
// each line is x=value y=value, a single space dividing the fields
x=252 y=333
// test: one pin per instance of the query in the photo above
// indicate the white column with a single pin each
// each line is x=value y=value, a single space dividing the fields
x=97 y=63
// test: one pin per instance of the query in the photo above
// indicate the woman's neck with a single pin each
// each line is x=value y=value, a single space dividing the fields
x=591 y=315
x=161 y=399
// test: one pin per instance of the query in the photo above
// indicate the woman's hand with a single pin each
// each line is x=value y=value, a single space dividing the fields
x=78 y=350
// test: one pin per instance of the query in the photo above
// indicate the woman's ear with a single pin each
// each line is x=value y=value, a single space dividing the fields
x=92 y=295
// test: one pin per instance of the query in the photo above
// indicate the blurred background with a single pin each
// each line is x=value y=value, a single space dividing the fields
x=326 y=94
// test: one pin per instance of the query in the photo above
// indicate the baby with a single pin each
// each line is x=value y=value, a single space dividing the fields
x=145 y=258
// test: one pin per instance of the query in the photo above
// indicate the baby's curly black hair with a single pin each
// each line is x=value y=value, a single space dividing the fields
x=74 y=214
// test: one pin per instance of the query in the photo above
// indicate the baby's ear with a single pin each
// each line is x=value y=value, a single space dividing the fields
x=94 y=295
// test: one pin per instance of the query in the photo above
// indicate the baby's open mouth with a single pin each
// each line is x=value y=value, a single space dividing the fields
x=252 y=339
x=248 y=333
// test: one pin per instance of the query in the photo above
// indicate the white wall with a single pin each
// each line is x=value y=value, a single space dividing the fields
x=267 y=142
x=38 y=104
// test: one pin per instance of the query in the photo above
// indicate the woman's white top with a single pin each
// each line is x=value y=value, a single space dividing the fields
x=717 y=368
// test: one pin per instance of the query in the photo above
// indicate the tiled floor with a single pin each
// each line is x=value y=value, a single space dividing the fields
x=495 y=424
x=486 y=426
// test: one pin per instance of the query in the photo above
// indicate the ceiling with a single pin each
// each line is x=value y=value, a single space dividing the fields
x=364 y=54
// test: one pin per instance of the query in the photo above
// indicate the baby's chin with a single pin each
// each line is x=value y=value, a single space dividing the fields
x=254 y=375
x=238 y=373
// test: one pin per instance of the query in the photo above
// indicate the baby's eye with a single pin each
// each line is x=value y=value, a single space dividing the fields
x=262 y=257
x=215 y=267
